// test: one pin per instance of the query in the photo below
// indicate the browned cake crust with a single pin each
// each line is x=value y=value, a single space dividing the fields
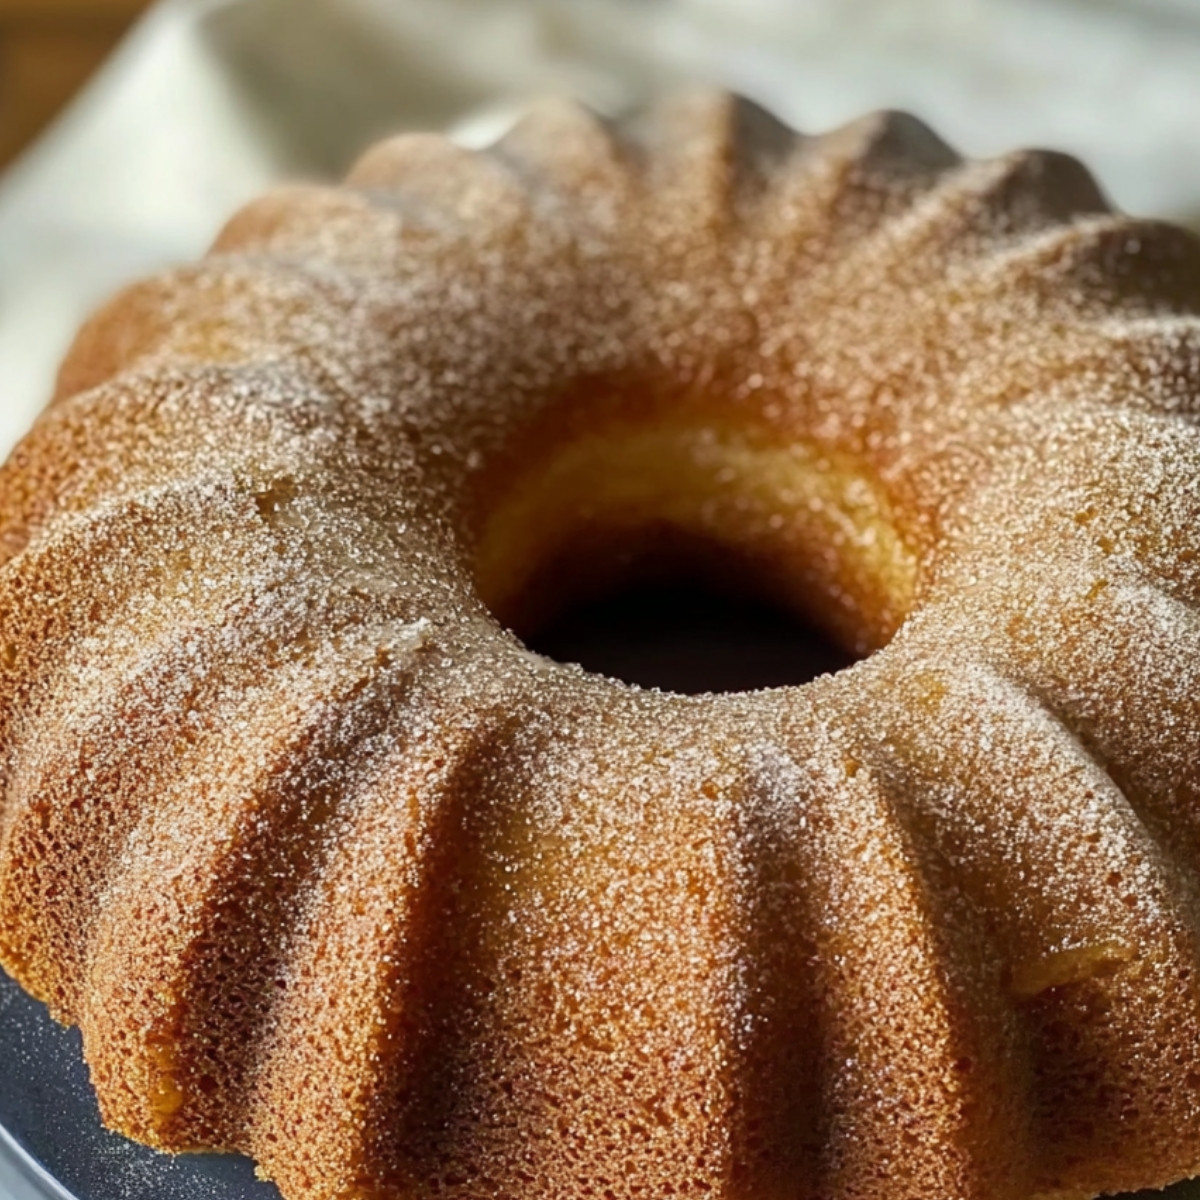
x=332 y=870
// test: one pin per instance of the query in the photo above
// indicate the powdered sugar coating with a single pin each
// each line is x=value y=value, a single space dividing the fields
x=332 y=870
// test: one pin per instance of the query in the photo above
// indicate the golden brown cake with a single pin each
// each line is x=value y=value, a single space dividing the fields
x=331 y=869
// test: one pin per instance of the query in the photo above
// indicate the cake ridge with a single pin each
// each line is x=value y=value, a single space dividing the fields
x=158 y=709
x=1137 y=802
x=274 y=814
x=449 y=755
x=973 y=203
x=980 y=1147
x=1150 y=743
x=1045 y=989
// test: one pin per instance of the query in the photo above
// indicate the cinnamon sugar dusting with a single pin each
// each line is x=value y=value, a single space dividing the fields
x=333 y=871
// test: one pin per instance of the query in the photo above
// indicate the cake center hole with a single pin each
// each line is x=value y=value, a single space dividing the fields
x=689 y=639
x=653 y=505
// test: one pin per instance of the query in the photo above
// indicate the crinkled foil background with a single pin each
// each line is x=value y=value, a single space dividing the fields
x=211 y=100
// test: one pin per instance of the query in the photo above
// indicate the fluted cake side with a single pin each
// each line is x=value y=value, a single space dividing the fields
x=332 y=870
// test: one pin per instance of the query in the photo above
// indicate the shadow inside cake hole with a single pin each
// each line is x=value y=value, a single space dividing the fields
x=689 y=639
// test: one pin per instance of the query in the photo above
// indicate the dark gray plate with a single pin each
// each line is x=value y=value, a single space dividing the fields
x=52 y=1145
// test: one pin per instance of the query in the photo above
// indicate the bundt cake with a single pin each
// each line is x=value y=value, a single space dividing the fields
x=331 y=869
